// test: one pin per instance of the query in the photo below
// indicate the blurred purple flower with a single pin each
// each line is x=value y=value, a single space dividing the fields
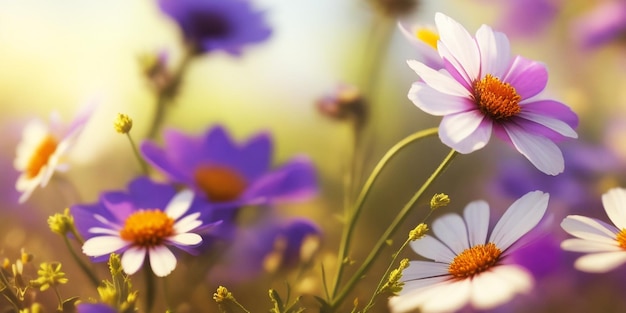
x=485 y=90
x=606 y=22
x=269 y=245
x=210 y=25
x=527 y=17
x=94 y=308
x=142 y=222
x=229 y=175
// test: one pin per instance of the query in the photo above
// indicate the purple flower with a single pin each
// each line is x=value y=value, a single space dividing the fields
x=227 y=174
x=527 y=17
x=484 y=90
x=606 y=22
x=94 y=308
x=145 y=221
x=424 y=39
x=210 y=25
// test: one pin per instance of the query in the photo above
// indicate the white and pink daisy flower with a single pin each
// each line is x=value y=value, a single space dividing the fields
x=43 y=146
x=483 y=89
x=604 y=244
x=468 y=267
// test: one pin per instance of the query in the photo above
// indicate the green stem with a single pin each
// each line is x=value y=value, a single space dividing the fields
x=351 y=217
x=83 y=266
x=389 y=231
x=56 y=291
x=142 y=163
x=167 y=94
x=150 y=295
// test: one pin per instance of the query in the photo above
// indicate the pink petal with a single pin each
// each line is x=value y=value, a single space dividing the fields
x=437 y=80
x=434 y=102
x=458 y=47
x=527 y=77
x=495 y=52
x=551 y=123
x=540 y=151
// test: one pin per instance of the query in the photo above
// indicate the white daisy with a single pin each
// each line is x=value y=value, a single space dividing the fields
x=147 y=232
x=468 y=267
x=40 y=152
x=604 y=243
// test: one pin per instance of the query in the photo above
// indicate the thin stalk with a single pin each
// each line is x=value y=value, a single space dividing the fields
x=150 y=295
x=351 y=217
x=142 y=163
x=389 y=231
x=83 y=266
x=56 y=291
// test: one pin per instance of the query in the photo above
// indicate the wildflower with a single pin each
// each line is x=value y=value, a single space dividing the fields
x=484 y=90
x=40 y=152
x=222 y=294
x=230 y=175
x=147 y=220
x=49 y=274
x=424 y=39
x=61 y=223
x=394 y=284
x=345 y=102
x=603 y=24
x=466 y=267
x=123 y=123
x=604 y=243
x=210 y=25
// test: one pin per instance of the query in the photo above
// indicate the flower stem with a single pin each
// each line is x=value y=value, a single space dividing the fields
x=56 y=291
x=142 y=163
x=351 y=217
x=389 y=231
x=84 y=267
x=149 y=288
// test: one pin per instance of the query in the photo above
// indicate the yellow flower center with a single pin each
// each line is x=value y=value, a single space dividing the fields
x=496 y=99
x=41 y=156
x=220 y=183
x=147 y=228
x=428 y=36
x=474 y=260
x=621 y=238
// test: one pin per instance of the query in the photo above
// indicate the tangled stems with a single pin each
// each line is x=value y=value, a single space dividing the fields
x=351 y=217
x=389 y=232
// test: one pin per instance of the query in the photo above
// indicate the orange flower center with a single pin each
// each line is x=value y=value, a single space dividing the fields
x=41 y=156
x=147 y=228
x=474 y=260
x=496 y=99
x=220 y=183
x=621 y=238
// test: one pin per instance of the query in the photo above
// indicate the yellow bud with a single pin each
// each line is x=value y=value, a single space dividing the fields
x=418 y=232
x=123 y=123
x=439 y=200
x=222 y=294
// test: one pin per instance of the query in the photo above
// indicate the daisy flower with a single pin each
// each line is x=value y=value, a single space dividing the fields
x=39 y=153
x=604 y=243
x=227 y=174
x=210 y=25
x=146 y=221
x=468 y=267
x=483 y=90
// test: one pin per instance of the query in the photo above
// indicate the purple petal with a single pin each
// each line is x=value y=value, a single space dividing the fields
x=158 y=158
x=527 y=77
x=465 y=132
x=540 y=151
x=295 y=180
x=84 y=307
x=552 y=109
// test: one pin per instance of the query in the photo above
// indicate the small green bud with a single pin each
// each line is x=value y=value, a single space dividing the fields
x=61 y=223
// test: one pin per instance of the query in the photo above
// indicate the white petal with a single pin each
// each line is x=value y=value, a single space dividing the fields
x=476 y=215
x=589 y=229
x=179 y=204
x=187 y=239
x=524 y=214
x=132 y=259
x=433 y=249
x=187 y=223
x=102 y=230
x=459 y=48
x=447 y=296
x=614 y=202
x=495 y=54
x=465 y=132
x=434 y=102
x=582 y=245
x=103 y=245
x=418 y=270
x=540 y=151
x=498 y=285
x=450 y=229
x=411 y=285
x=439 y=81
x=162 y=260
x=600 y=262
x=551 y=123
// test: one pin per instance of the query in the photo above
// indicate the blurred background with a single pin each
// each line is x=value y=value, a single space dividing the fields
x=60 y=55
